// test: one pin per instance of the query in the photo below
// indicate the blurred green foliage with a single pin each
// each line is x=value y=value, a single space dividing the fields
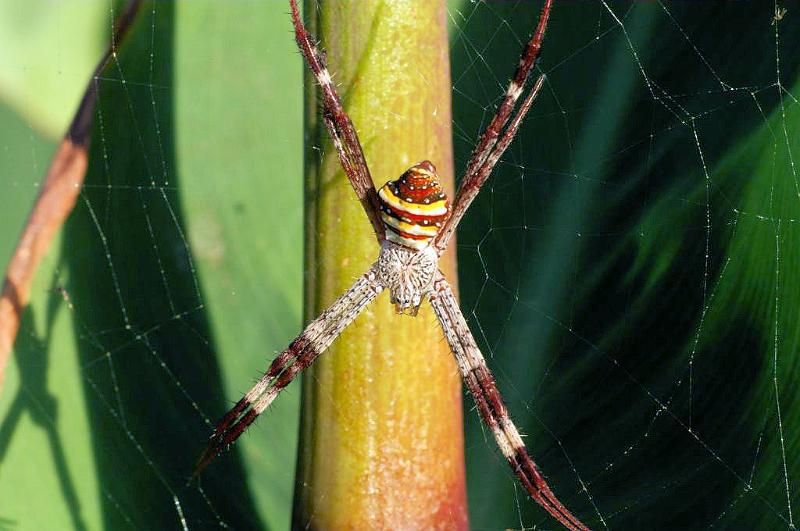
x=629 y=271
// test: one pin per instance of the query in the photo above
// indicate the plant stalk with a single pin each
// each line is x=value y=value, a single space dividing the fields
x=381 y=433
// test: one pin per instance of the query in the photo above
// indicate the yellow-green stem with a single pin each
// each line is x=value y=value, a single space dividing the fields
x=381 y=437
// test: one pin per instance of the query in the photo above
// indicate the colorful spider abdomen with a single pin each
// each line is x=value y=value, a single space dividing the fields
x=414 y=206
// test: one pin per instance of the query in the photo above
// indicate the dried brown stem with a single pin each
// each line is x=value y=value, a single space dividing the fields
x=60 y=190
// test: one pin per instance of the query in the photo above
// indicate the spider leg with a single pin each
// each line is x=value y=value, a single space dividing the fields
x=477 y=170
x=299 y=355
x=470 y=187
x=341 y=129
x=482 y=387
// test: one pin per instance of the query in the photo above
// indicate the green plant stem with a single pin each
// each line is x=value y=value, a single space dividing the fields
x=381 y=435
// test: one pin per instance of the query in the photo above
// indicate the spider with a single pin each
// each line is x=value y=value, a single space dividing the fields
x=413 y=221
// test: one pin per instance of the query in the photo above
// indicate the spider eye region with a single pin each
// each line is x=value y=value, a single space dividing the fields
x=414 y=206
x=407 y=274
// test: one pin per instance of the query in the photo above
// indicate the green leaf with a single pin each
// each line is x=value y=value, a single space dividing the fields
x=48 y=52
x=46 y=457
x=161 y=340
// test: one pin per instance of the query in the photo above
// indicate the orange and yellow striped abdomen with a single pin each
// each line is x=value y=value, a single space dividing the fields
x=414 y=206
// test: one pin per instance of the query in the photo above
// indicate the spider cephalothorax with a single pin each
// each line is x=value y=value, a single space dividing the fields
x=407 y=274
x=413 y=222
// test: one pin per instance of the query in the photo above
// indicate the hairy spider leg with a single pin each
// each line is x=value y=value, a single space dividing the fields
x=340 y=127
x=299 y=355
x=480 y=382
x=469 y=189
x=473 y=176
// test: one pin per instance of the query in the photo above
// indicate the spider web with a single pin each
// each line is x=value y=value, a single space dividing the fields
x=627 y=270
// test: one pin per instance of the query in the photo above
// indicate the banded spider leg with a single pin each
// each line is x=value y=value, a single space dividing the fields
x=340 y=127
x=481 y=385
x=299 y=355
x=488 y=149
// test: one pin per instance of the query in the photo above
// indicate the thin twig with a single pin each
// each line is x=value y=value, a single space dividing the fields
x=62 y=184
